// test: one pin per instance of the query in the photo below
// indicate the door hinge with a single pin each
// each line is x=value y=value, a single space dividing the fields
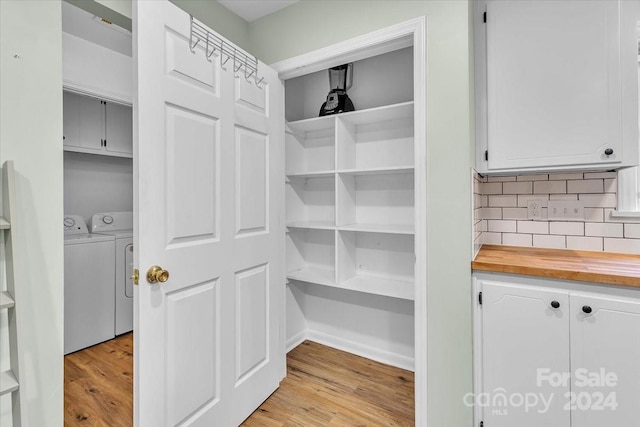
x=480 y=298
x=105 y=142
x=486 y=155
x=101 y=142
x=481 y=423
x=484 y=17
x=135 y=277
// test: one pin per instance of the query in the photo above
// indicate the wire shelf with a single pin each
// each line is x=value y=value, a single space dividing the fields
x=226 y=51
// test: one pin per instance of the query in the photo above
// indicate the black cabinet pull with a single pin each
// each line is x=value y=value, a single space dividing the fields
x=608 y=151
x=555 y=304
x=586 y=309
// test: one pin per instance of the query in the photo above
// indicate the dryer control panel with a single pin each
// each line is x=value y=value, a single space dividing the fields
x=111 y=221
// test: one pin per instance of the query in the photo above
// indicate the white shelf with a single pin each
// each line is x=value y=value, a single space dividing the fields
x=318 y=174
x=379 y=114
x=313 y=225
x=364 y=228
x=8 y=383
x=4 y=224
x=311 y=200
x=6 y=301
x=320 y=276
x=379 y=228
x=389 y=287
x=97 y=152
x=378 y=171
x=312 y=125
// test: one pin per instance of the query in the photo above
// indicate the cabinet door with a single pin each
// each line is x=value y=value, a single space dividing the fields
x=605 y=341
x=524 y=341
x=83 y=122
x=553 y=83
x=119 y=128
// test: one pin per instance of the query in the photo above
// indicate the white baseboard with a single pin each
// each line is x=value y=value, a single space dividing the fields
x=381 y=356
x=296 y=340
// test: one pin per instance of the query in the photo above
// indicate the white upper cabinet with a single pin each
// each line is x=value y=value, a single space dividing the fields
x=118 y=128
x=82 y=125
x=94 y=126
x=556 y=85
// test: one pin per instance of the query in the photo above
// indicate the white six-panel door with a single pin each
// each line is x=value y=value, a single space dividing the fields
x=209 y=343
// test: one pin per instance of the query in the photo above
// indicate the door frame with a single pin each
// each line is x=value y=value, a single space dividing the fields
x=404 y=34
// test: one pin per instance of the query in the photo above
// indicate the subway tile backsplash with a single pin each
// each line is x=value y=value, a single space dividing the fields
x=500 y=212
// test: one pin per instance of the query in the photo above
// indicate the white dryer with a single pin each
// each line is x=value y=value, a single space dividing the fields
x=120 y=226
x=88 y=286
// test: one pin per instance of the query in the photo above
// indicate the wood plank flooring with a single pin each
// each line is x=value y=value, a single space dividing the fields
x=324 y=387
x=98 y=385
x=328 y=387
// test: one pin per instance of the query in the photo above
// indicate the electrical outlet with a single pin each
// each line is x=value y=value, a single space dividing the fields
x=565 y=210
x=534 y=209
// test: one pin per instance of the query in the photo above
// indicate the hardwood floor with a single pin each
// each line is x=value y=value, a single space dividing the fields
x=324 y=387
x=98 y=384
x=328 y=387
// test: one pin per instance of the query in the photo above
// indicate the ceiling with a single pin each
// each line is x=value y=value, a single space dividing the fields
x=250 y=10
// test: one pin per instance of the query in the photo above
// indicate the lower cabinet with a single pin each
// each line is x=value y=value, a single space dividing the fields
x=550 y=354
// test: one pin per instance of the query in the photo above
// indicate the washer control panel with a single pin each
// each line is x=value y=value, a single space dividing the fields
x=74 y=224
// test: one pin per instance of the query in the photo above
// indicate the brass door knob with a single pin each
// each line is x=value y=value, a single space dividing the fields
x=156 y=274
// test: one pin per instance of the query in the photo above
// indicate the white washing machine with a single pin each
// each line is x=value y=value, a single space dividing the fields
x=88 y=286
x=120 y=226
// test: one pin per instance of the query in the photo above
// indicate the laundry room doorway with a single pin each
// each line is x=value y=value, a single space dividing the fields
x=98 y=218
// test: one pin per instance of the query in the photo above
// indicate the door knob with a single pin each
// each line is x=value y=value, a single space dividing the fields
x=608 y=151
x=586 y=309
x=555 y=304
x=156 y=274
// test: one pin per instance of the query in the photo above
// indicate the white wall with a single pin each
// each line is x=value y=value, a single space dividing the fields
x=377 y=81
x=31 y=136
x=94 y=183
x=377 y=327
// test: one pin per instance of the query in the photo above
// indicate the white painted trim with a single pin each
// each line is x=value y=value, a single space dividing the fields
x=388 y=358
x=375 y=43
x=96 y=92
x=333 y=341
x=412 y=32
x=477 y=348
x=296 y=340
x=625 y=214
x=628 y=193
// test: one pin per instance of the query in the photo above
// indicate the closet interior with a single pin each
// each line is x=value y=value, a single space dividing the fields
x=350 y=212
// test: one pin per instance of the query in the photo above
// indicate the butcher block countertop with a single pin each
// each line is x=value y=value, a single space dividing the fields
x=585 y=266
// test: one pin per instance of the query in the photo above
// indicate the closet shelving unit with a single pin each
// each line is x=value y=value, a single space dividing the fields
x=350 y=201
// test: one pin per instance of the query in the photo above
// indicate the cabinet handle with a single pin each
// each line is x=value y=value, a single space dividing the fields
x=586 y=309
x=555 y=304
x=608 y=151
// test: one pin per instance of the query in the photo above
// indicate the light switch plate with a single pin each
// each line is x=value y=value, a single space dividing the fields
x=565 y=210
